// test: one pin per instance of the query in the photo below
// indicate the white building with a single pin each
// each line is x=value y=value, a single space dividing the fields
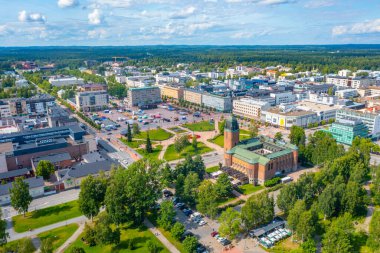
x=36 y=189
x=371 y=120
x=322 y=99
x=139 y=81
x=283 y=98
x=5 y=110
x=219 y=103
x=216 y=75
x=249 y=108
x=356 y=82
x=347 y=93
x=324 y=111
x=65 y=81
x=121 y=79
x=344 y=72
x=91 y=100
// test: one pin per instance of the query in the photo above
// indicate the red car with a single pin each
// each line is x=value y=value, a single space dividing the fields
x=213 y=234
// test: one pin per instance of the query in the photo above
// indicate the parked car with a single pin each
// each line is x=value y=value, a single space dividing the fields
x=179 y=205
x=214 y=233
x=202 y=222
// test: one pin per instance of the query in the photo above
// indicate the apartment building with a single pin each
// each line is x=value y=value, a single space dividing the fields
x=35 y=105
x=192 y=96
x=144 y=96
x=356 y=82
x=219 y=103
x=175 y=92
x=347 y=93
x=92 y=87
x=249 y=108
x=91 y=100
x=5 y=110
x=371 y=120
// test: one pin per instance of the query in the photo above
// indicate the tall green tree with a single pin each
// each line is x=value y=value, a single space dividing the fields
x=278 y=136
x=190 y=244
x=327 y=202
x=297 y=136
x=230 y=223
x=177 y=230
x=190 y=188
x=132 y=191
x=167 y=215
x=295 y=213
x=374 y=232
x=104 y=234
x=135 y=128
x=129 y=133
x=91 y=196
x=194 y=143
x=339 y=236
x=207 y=199
x=287 y=197
x=253 y=131
x=223 y=186
x=20 y=196
x=45 y=169
x=258 y=210
x=148 y=146
x=3 y=230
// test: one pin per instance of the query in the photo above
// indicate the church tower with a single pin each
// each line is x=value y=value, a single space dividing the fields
x=231 y=137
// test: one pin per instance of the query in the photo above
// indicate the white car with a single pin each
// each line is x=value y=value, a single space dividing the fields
x=202 y=222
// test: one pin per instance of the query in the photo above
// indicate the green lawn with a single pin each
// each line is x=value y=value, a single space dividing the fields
x=154 y=155
x=250 y=188
x=223 y=201
x=171 y=154
x=46 y=216
x=155 y=135
x=177 y=130
x=133 y=143
x=201 y=126
x=11 y=246
x=139 y=235
x=59 y=235
x=212 y=169
x=219 y=140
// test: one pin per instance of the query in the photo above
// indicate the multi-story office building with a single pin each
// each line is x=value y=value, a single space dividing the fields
x=175 y=92
x=249 y=108
x=371 y=120
x=92 y=87
x=192 y=96
x=144 y=96
x=219 y=103
x=345 y=130
x=283 y=97
x=91 y=100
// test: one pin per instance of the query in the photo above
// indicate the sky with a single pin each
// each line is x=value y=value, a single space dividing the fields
x=188 y=22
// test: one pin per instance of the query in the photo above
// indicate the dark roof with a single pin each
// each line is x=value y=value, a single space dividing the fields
x=54 y=158
x=82 y=170
x=232 y=124
x=263 y=230
x=33 y=182
x=14 y=173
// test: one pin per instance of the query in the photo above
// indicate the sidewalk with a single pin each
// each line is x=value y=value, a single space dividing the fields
x=160 y=237
x=72 y=239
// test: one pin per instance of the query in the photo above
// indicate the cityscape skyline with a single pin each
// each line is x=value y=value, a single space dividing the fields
x=197 y=22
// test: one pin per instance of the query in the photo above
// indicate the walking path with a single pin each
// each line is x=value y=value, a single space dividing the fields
x=160 y=237
x=72 y=239
x=370 y=211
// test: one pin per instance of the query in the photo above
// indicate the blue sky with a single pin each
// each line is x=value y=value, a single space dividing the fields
x=195 y=22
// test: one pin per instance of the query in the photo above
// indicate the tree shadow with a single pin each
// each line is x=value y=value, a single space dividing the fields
x=50 y=210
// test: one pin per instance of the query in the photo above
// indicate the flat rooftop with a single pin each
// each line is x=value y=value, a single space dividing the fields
x=294 y=112
x=313 y=106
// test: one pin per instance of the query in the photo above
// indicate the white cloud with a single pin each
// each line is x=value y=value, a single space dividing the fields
x=127 y=3
x=67 y=3
x=95 y=17
x=319 y=3
x=184 y=13
x=176 y=29
x=262 y=2
x=97 y=34
x=372 y=26
x=24 y=16
x=4 y=30
x=242 y=35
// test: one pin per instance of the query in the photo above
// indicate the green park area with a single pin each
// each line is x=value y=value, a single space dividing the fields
x=201 y=126
x=46 y=216
x=132 y=144
x=154 y=135
x=178 y=130
x=59 y=235
x=171 y=154
x=219 y=139
x=154 y=155
x=212 y=169
x=139 y=236
x=249 y=188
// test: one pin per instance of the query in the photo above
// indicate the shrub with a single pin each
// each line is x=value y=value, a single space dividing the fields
x=272 y=182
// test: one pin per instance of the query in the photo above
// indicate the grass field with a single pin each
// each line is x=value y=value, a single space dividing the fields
x=177 y=130
x=219 y=140
x=284 y=246
x=250 y=188
x=212 y=169
x=201 y=126
x=226 y=200
x=155 y=135
x=11 y=246
x=139 y=235
x=132 y=144
x=154 y=155
x=171 y=154
x=46 y=216
x=59 y=235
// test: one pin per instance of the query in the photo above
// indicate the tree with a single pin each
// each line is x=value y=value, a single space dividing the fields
x=190 y=188
x=20 y=196
x=297 y=135
x=339 y=236
x=353 y=199
x=230 y=222
x=135 y=128
x=45 y=169
x=309 y=246
x=25 y=245
x=287 y=197
x=91 y=196
x=327 y=202
x=152 y=246
x=223 y=186
x=207 y=199
x=221 y=125
x=258 y=210
x=129 y=133
x=167 y=215
x=46 y=245
x=3 y=227
x=253 y=131
x=179 y=185
x=330 y=91
x=180 y=143
x=295 y=213
x=77 y=250
x=148 y=146
x=104 y=235
x=190 y=244
x=89 y=235
x=133 y=191
x=374 y=232
x=166 y=175
x=177 y=230
x=195 y=143
x=278 y=136
x=306 y=225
